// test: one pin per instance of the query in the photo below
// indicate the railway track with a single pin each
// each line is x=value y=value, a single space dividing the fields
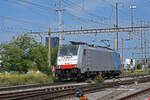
x=33 y=86
x=49 y=93
x=134 y=95
x=21 y=87
x=65 y=92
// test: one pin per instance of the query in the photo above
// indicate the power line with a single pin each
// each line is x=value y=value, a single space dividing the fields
x=86 y=11
x=23 y=21
x=83 y=9
x=48 y=8
x=121 y=11
x=52 y=9
x=20 y=2
x=23 y=5
x=83 y=19
x=37 y=5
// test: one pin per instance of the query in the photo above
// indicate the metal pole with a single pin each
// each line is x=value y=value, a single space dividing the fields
x=59 y=15
x=145 y=48
x=49 y=49
x=60 y=22
x=145 y=41
x=40 y=38
x=141 y=45
x=117 y=25
x=82 y=4
x=141 y=42
x=132 y=17
x=122 y=50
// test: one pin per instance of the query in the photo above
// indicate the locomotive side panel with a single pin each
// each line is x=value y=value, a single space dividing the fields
x=95 y=59
x=83 y=61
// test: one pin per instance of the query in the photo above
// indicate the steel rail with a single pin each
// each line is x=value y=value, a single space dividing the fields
x=129 y=97
x=21 y=87
x=107 y=85
x=66 y=91
x=33 y=86
x=62 y=94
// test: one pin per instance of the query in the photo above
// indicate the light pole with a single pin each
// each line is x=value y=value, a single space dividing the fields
x=116 y=26
x=132 y=15
x=132 y=18
x=49 y=49
x=60 y=21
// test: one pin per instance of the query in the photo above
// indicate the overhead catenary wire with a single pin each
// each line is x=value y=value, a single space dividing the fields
x=23 y=21
x=48 y=8
x=54 y=10
x=26 y=7
x=33 y=23
x=69 y=4
x=85 y=19
x=114 y=7
x=37 y=24
x=20 y=2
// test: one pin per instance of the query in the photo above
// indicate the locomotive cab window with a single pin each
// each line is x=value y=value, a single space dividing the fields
x=68 y=50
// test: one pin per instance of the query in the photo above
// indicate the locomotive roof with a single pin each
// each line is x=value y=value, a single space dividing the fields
x=90 y=45
x=78 y=43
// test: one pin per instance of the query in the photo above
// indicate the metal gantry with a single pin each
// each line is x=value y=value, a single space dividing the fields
x=95 y=31
x=92 y=31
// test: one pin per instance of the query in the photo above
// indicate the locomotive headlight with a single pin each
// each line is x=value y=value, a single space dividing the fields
x=60 y=67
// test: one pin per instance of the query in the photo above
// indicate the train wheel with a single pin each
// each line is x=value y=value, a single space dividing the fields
x=81 y=78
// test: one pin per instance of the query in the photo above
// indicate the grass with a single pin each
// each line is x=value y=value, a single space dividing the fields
x=99 y=79
x=23 y=79
x=136 y=72
x=89 y=80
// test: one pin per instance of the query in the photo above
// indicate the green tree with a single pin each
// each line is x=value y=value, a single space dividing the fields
x=24 y=53
x=139 y=66
x=15 y=57
x=54 y=53
x=39 y=55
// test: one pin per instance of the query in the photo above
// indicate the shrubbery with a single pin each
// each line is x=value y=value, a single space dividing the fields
x=149 y=66
x=23 y=79
x=24 y=53
x=139 y=66
x=99 y=79
x=89 y=80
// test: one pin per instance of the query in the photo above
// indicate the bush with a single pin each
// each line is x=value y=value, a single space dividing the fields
x=139 y=66
x=99 y=79
x=149 y=66
x=89 y=81
x=132 y=71
x=23 y=79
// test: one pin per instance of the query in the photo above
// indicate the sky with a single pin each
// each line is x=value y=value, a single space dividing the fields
x=21 y=16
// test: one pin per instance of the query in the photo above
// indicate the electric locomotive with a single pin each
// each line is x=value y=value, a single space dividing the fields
x=79 y=61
